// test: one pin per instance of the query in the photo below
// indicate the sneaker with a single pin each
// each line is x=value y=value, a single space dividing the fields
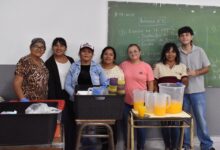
x=212 y=148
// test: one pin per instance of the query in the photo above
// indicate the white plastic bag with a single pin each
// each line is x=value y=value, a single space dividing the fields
x=2 y=99
x=41 y=108
x=9 y=112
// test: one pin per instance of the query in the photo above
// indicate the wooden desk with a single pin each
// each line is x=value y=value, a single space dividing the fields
x=185 y=119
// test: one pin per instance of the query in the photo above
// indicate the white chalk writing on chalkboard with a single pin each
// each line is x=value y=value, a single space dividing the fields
x=152 y=25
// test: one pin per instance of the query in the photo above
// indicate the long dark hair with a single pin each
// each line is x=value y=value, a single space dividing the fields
x=104 y=50
x=166 y=49
x=60 y=40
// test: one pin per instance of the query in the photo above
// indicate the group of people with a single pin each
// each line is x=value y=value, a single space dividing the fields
x=59 y=76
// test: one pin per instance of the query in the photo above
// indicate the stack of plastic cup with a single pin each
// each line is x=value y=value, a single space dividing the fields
x=113 y=84
x=121 y=87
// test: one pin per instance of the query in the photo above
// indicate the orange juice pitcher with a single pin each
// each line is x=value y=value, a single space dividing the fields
x=138 y=98
x=176 y=91
x=161 y=103
x=149 y=101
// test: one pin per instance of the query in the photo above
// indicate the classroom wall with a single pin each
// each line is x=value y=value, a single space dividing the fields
x=77 y=21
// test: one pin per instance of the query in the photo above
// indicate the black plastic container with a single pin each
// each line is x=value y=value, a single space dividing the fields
x=98 y=106
x=26 y=129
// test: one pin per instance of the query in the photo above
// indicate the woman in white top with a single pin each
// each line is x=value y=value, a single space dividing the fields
x=170 y=70
x=108 y=58
x=58 y=65
x=111 y=70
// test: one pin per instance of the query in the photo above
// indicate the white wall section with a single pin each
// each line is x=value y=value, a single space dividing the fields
x=77 y=21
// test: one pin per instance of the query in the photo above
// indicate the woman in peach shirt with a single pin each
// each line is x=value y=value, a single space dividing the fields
x=138 y=75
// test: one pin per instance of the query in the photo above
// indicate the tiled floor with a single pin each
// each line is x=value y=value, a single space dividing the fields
x=30 y=148
x=157 y=144
x=150 y=145
x=57 y=145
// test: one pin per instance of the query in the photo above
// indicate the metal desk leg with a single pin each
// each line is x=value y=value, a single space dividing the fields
x=191 y=133
x=129 y=134
x=110 y=134
x=109 y=130
x=132 y=132
x=79 y=135
x=182 y=135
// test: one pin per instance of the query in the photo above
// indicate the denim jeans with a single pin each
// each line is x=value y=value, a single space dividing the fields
x=141 y=132
x=197 y=101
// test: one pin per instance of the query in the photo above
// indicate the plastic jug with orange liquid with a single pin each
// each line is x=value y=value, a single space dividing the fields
x=161 y=103
x=138 y=97
x=176 y=91
x=149 y=101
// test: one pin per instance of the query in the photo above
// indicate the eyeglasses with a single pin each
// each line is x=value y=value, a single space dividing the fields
x=39 y=47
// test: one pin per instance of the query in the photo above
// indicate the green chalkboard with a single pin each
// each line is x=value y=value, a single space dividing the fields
x=152 y=25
